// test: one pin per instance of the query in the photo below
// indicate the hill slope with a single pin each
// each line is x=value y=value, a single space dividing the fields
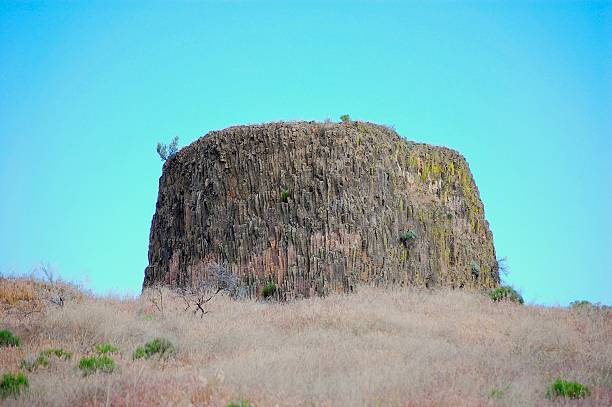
x=392 y=347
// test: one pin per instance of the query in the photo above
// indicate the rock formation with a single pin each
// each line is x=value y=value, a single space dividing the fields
x=319 y=207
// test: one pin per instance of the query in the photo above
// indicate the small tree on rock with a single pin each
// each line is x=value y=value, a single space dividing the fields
x=166 y=151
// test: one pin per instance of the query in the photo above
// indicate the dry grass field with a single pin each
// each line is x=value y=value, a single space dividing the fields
x=396 y=347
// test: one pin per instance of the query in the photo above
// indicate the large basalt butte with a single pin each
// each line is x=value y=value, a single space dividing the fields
x=353 y=189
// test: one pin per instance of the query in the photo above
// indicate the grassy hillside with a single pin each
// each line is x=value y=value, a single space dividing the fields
x=397 y=347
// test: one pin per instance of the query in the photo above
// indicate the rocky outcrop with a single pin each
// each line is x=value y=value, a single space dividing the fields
x=319 y=207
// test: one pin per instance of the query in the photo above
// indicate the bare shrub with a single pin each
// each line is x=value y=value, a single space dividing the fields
x=52 y=289
x=155 y=295
x=216 y=280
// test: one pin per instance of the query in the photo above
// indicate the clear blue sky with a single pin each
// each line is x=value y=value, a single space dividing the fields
x=523 y=90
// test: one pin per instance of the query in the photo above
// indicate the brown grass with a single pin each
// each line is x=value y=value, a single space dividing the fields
x=397 y=347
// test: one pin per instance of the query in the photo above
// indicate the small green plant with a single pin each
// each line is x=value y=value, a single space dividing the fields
x=13 y=384
x=166 y=151
x=57 y=352
x=498 y=393
x=345 y=118
x=106 y=348
x=406 y=238
x=98 y=363
x=564 y=388
x=506 y=293
x=269 y=289
x=33 y=363
x=42 y=360
x=284 y=195
x=158 y=346
x=8 y=339
x=241 y=403
x=475 y=269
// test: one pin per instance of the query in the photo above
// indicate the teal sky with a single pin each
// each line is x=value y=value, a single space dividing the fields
x=522 y=89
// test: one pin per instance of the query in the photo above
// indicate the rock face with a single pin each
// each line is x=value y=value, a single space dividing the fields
x=319 y=207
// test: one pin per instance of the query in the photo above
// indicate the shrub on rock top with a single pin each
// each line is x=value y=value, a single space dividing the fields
x=166 y=151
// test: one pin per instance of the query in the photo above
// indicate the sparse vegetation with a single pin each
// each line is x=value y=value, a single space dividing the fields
x=12 y=384
x=97 y=363
x=408 y=237
x=406 y=344
x=161 y=347
x=568 y=389
x=269 y=289
x=284 y=195
x=166 y=151
x=506 y=293
x=8 y=339
x=345 y=118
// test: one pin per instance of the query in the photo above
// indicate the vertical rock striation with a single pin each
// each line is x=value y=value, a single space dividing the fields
x=319 y=207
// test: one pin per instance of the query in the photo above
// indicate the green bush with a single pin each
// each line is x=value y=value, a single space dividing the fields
x=269 y=289
x=106 y=348
x=284 y=196
x=241 y=403
x=158 y=346
x=93 y=364
x=8 y=339
x=564 y=388
x=408 y=237
x=506 y=293
x=12 y=384
x=345 y=118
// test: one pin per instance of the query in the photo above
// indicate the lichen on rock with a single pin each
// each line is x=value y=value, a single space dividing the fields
x=319 y=207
